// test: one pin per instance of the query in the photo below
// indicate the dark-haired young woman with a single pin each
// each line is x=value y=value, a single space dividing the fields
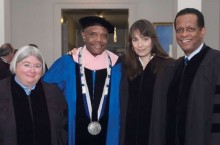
x=144 y=60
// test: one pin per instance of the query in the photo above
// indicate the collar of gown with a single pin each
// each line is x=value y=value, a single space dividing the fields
x=95 y=62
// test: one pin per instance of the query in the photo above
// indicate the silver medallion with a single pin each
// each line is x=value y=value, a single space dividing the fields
x=94 y=128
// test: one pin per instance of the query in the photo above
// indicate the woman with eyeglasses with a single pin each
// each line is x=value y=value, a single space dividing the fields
x=32 y=112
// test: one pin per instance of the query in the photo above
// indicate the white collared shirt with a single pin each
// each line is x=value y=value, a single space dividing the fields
x=195 y=52
x=27 y=90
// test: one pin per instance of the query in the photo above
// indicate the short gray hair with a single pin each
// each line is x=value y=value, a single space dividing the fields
x=25 y=52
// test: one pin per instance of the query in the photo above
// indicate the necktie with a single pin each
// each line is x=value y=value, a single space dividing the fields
x=186 y=61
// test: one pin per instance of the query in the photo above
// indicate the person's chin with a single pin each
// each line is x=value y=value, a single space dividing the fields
x=97 y=53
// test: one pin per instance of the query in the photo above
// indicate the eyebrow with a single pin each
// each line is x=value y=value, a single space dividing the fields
x=30 y=62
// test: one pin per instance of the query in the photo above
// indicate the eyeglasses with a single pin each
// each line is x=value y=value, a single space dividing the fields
x=28 y=66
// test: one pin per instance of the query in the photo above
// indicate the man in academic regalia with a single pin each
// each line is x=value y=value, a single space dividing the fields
x=193 y=98
x=90 y=81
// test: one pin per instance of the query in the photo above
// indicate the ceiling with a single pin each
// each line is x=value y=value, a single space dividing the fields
x=118 y=17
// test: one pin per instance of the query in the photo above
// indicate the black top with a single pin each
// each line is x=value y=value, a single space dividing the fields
x=4 y=69
x=31 y=115
x=140 y=102
x=83 y=137
x=177 y=98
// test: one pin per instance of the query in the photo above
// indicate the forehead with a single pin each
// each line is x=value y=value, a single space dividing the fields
x=186 y=19
x=97 y=29
x=31 y=58
x=136 y=32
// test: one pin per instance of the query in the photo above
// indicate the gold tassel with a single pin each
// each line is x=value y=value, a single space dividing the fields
x=115 y=35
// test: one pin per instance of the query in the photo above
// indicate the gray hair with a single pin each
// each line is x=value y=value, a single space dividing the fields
x=5 y=49
x=25 y=52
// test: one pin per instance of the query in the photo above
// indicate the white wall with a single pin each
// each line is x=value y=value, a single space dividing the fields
x=2 y=26
x=37 y=21
x=211 y=13
x=34 y=21
x=5 y=21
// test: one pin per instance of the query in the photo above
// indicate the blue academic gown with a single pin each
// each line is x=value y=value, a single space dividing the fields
x=62 y=73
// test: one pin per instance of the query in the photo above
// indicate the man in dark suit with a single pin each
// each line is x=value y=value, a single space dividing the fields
x=193 y=98
x=6 y=55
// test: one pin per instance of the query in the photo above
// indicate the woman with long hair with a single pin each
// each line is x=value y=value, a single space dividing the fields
x=143 y=61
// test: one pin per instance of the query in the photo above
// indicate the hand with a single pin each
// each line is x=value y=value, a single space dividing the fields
x=72 y=52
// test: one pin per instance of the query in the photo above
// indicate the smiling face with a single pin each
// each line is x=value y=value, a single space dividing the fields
x=188 y=34
x=29 y=71
x=96 y=39
x=142 y=45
